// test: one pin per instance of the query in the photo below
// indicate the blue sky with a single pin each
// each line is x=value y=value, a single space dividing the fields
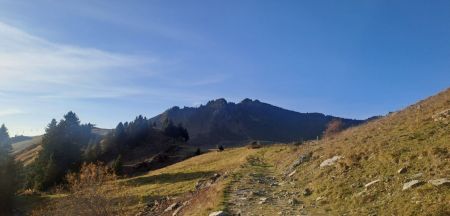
x=111 y=60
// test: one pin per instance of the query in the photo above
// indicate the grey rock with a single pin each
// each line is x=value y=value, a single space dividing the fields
x=371 y=183
x=330 y=161
x=293 y=201
x=172 y=207
x=443 y=116
x=418 y=175
x=412 y=184
x=439 y=182
x=307 y=192
x=177 y=210
x=218 y=213
x=292 y=173
x=402 y=170
x=262 y=200
x=301 y=159
x=320 y=198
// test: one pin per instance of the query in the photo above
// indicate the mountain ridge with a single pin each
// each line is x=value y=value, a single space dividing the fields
x=220 y=122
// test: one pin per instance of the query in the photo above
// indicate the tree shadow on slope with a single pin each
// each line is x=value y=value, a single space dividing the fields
x=168 y=178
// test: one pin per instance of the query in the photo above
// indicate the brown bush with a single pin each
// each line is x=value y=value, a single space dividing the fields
x=86 y=197
x=334 y=126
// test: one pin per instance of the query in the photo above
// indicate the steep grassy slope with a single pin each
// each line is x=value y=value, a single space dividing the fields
x=27 y=151
x=413 y=138
x=20 y=146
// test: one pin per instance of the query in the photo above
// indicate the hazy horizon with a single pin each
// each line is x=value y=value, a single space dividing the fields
x=110 y=62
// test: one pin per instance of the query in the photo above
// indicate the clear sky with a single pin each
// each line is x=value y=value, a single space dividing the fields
x=109 y=61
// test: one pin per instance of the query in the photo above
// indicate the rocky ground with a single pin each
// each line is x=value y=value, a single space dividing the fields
x=260 y=189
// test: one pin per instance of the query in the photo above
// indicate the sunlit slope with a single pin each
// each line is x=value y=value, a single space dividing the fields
x=27 y=151
x=20 y=146
x=179 y=179
x=416 y=139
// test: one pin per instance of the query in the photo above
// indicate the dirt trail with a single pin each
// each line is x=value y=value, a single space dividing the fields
x=258 y=189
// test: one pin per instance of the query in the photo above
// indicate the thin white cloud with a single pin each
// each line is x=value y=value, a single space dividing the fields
x=45 y=79
x=31 y=63
x=10 y=111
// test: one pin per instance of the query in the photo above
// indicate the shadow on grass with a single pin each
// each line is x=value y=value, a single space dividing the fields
x=168 y=178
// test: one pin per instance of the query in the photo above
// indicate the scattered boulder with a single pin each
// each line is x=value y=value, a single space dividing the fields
x=218 y=213
x=204 y=183
x=215 y=176
x=330 y=161
x=412 y=184
x=293 y=201
x=274 y=184
x=262 y=200
x=319 y=198
x=172 y=207
x=307 y=192
x=443 y=116
x=440 y=182
x=301 y=159
x=292 y=173
x=418 y=175
x=177 y=210
x=371 y=183
x=402 y=170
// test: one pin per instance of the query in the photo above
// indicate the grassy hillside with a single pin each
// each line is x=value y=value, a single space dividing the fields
x=167 y=185
x=416 y=138
x=289 y=179
x=20 y=146
x=27 y=151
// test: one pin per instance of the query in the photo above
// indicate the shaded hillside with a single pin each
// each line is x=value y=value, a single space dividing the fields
x=221 y=122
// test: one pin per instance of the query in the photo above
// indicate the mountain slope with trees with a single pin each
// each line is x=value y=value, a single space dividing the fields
x=68 y=143
x=223 y=123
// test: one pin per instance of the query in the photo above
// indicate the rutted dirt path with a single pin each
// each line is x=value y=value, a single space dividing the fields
x=259 y=190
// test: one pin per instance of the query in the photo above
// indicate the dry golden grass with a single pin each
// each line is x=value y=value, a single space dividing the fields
x=84 y=195
x=376 y=150
x=181 y=178
x=130 y=195
x=28 y=155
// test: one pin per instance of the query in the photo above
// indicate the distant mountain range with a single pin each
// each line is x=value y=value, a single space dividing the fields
x=231 y=124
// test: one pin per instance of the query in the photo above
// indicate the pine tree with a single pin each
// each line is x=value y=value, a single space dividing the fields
x=61 y=151
x=8 y=173
x=117 y=165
